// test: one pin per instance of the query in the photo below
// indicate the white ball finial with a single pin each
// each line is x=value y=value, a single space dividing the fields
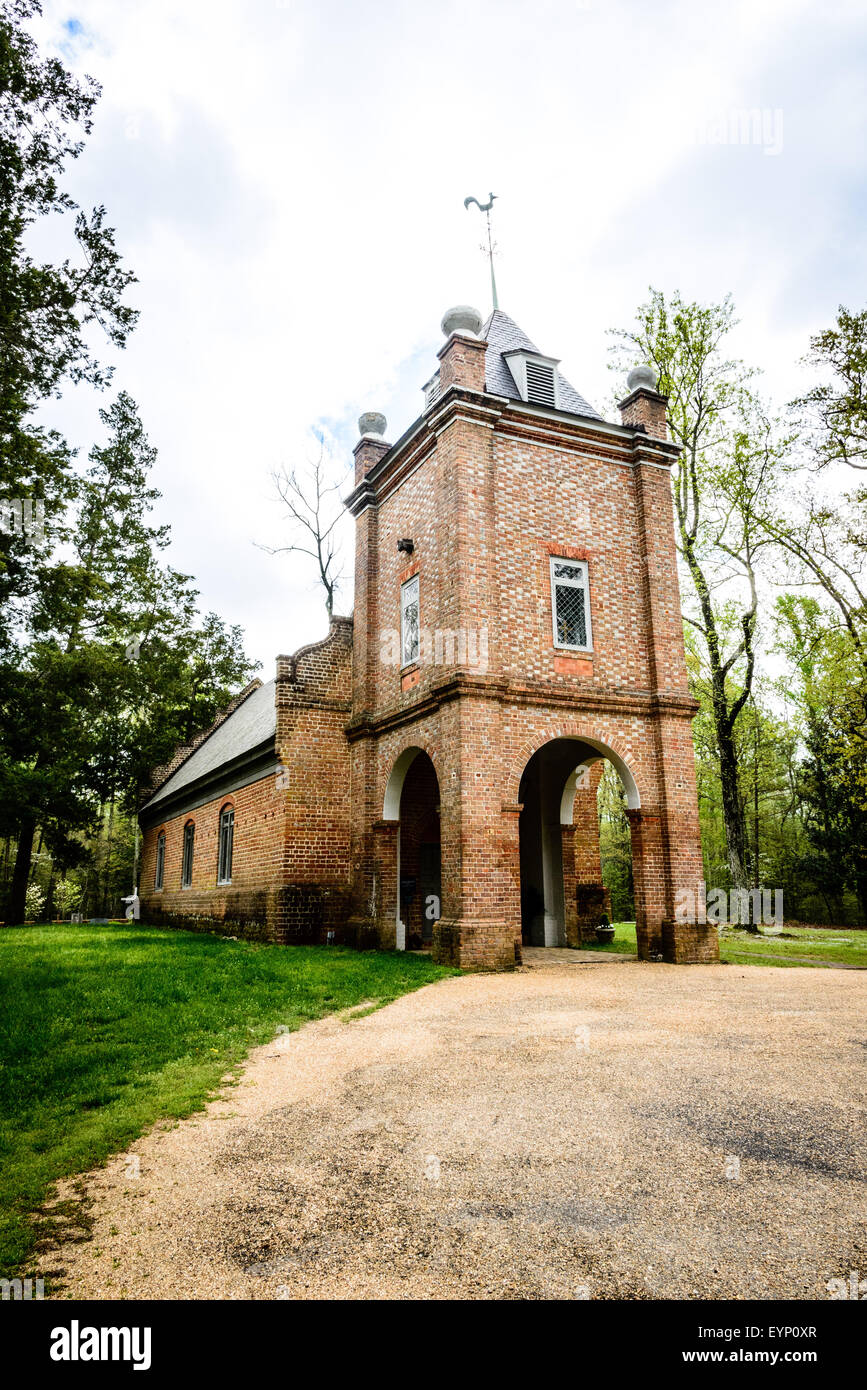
x=463 y=318
x=642 y=376
x=371 y=422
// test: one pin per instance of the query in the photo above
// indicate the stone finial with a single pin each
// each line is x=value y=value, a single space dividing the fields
x=642 y=376
x=644 y=408
x=463 y=318
x=372 y=445
x=372 y=422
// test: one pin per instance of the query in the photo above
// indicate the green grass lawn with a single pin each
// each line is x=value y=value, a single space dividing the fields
x=808 y=946
x=623 y=943
x=106 y=1029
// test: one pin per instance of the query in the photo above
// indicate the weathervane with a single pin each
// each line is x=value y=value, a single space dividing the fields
x=486 y=209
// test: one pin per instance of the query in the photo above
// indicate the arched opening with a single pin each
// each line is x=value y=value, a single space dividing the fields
x=412 y=798
x=562 y=887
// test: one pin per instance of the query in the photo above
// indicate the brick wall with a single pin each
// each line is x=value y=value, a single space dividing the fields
x=247 y=905
x=313 y=704
x=488 y=492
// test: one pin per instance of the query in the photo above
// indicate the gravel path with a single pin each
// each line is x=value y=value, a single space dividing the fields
x=606 y=1129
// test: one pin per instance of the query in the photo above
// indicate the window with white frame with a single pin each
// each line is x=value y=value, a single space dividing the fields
x=227 y=838
x=187 y=859
x=409 y=635
x=570 y=605
x=160 y=869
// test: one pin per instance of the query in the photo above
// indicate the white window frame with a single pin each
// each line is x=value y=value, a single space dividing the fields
x=225 y=830
x=410 y=590
x=187 y=867
x=517 y=361
x=582 y=583
x=160 y=865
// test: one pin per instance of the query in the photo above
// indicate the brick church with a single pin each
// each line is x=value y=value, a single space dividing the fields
x=426 y=775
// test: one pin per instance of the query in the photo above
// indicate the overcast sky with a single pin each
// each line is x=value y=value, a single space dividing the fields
x=287 y=177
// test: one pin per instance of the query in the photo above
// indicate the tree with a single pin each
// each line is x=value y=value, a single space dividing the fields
x=836 y=410
x=831 y=693
x=116 y=667
x=311 y=498
x=723 y=484
x=46 y=310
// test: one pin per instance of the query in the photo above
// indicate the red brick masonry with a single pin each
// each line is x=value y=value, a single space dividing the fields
x=488 y=489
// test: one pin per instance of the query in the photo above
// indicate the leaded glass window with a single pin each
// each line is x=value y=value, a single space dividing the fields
x=570 y=604
x=409 y=633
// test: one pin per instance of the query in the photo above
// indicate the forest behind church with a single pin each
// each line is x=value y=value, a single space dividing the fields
x=107 y=662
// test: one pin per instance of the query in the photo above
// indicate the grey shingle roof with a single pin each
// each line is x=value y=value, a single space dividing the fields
x=251 y=724
x=503 y=335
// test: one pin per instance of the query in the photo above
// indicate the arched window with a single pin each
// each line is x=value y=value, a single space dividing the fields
x=187 y=861
x=160 y=869
x=227 y=837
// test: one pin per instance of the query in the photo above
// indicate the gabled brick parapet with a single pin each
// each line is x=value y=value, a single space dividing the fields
x=319 y=671
x=314 y=694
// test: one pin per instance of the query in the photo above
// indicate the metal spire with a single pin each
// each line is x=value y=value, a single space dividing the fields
x=486 y=209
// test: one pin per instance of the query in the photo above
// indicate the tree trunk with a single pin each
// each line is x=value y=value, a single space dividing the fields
x=21 y=872
x=732 y=807
x=49 y=896
x=106 y=892
x=756 y=883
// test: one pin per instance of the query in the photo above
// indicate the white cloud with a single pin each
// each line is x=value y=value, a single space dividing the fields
x=287 y=181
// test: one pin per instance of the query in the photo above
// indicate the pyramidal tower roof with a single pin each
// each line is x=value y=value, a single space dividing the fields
x=503 y=335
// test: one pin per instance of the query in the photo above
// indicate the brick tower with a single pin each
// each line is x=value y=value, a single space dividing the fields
x=517 y=619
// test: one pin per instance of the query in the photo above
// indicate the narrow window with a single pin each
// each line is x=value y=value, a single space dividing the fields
x=409 y=638
x=161 y=861
x=227 y=836
x=570 y=605
x=187 y=861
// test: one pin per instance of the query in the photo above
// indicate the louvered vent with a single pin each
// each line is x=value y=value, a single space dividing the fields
x=540 y=384
x=432 y=390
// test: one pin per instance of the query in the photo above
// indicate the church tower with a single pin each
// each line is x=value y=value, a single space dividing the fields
x=517 y=620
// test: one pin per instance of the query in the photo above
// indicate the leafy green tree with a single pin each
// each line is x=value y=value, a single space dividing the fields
x=831 y=695
x=724 y=483
x=118 y=667
x=836 y=409
x=46 y=310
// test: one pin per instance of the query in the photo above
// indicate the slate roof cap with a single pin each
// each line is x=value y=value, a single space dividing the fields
x=503 y=336
x=246 y=728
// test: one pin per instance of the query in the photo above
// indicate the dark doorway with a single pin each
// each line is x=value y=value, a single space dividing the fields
x=419 y=852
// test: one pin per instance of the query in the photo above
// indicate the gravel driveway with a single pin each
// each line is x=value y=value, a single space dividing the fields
x=602 y=1129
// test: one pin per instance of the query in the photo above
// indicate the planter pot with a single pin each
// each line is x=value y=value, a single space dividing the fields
x=605 y=935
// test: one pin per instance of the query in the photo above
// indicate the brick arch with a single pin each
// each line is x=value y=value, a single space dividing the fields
x=606 y=748
x=397 y=775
